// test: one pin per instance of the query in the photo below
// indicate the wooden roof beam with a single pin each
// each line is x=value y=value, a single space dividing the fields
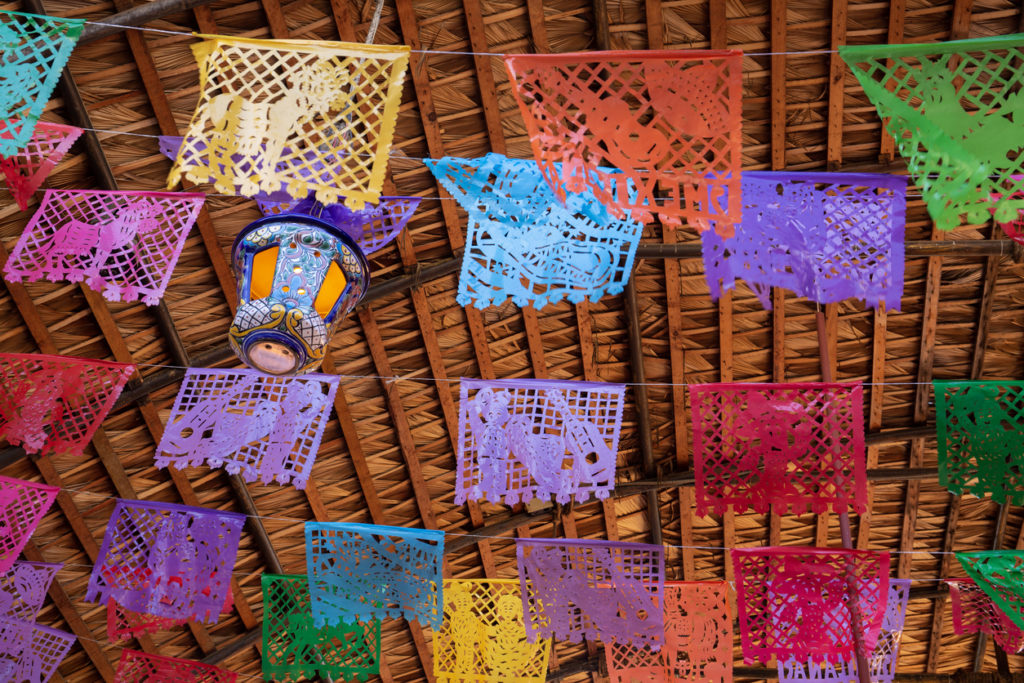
x=778 y=84
x=407 y=446
x=46 y=344
x=108 y=327
x=602 y=35
x=161 y=106
x=409 y=26
x=897 y=20
x=643 y=416
x=959 y=29
x=718 y=36
x=991 y=274
x=926 y=359
x=139 y=15
x=275 y=19
x=425 y=320
x=655 y=25
x=836 y=86
x=496 y=137
x=777 y=28
x=86 y=638
x=677 y=367
x=111 y=333
x=875 y=403
x=410 y=31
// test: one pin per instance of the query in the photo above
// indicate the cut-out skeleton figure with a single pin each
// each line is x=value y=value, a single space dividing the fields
x=489 y=414
x=247 y=138
x=507 y=649
x=466 y=628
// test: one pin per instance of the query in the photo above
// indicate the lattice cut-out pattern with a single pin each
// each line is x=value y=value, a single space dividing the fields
x=698 y=639
x=257 y=425
x=22 y=506
x=54 y=404
x=524 y=439
x=881 y=662
x=825 y=236
x=955 y=111
x=123 y=624
x=797 y=445
x=372 y=227
x=23 y=589
x=34 y=50
x=604 y=590
x=140 y=667
x=979 y=427
x=30 y=652
x=1000 y=573
x=298 y=115
x=524 y=243
x=483 y=635
x=364 y=571
x=294 y=649
x=974 y=612
x=796 y=603
x=124 y=244
x=27 y=168
x=669 y=121
x=167 y=560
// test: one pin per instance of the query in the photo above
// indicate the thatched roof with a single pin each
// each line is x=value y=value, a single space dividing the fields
x=387 y=456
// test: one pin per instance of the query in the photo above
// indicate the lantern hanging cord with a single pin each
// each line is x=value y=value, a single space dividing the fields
x=375 y=23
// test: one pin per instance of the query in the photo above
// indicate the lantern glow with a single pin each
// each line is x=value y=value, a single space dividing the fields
x=298 y=276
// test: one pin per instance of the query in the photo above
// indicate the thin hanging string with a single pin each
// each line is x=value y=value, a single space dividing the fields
x=453 y=380
x=393 y=157
x=489 y=537
x=376 y=21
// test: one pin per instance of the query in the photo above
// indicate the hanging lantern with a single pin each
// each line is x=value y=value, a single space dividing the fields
x=297 y=276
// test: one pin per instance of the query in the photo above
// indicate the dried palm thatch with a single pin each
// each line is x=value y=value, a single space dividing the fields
x=387 y=455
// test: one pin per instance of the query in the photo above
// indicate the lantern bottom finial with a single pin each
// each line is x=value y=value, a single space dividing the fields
x=273 y=358
x=278 y=340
